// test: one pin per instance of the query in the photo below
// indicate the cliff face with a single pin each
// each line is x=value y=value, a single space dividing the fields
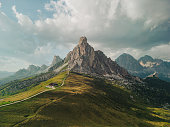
x=84 y=59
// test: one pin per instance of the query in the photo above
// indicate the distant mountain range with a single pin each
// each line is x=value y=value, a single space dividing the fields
x=30 y=71
x=4 y=74
x=23 y=73
x=145 y=66
x=84 y=59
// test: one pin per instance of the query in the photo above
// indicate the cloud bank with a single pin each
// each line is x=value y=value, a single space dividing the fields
x=114 y=26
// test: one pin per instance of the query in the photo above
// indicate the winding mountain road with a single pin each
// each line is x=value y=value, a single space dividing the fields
x=25 y=98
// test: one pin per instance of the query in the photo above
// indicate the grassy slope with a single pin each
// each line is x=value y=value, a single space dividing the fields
x=37 y=89
x=83 y=101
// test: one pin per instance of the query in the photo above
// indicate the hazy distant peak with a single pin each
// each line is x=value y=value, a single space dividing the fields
x=56 y=59
x=128 y=62
x=146 y=58
x=126 y=54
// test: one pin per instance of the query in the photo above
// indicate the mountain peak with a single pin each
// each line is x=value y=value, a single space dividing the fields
x=84 y=59
x=83 y=40
x=129 y=62
x=126 y=54
x=146 y=58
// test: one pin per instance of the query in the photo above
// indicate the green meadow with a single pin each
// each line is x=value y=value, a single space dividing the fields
x=82 y=101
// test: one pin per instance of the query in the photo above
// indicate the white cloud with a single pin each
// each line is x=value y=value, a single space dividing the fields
x=39 y=11
x=160 y=51
x=98 y=19
x=58 y=7
x=132 y=9
x=0 y=4
x=111 y=23
x=102 y=20
x=114 y=53
x=153 y=12
x=44 y=54
x=43 y=49
x=12 y=64
x=23 y=20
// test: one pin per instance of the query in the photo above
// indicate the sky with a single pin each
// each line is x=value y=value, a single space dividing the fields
x=33 y=31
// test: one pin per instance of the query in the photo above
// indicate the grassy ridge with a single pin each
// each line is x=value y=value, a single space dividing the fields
x=34 y=90
x=18 y=86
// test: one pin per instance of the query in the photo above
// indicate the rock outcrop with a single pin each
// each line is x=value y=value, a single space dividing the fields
x=84 y=59
x=154 y=75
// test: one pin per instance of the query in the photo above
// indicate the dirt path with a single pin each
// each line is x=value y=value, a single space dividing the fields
x=24 y=99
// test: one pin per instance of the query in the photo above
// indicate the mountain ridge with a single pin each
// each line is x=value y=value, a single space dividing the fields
x=23 y=73
x=149 y=65
x=32 y=70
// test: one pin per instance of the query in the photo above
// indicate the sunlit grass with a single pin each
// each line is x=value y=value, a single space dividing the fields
x=160 y=113
x=37 y=89
x=77 y=84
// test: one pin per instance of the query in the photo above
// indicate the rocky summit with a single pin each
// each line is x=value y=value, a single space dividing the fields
x=84 y=59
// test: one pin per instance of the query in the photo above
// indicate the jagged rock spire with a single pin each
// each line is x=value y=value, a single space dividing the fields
x=56 y=59
x=84 y=59
x=82 y=40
